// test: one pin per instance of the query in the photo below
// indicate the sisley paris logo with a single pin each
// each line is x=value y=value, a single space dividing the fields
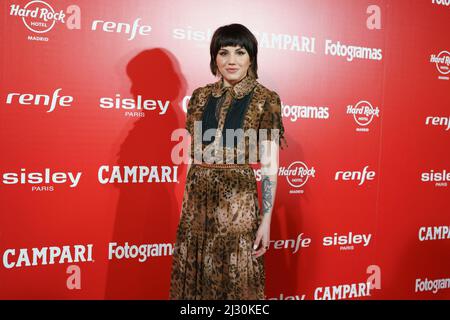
x=39 y=17
x=282 y=296
x=442 y=63
x=25 y=257
x=42 y=181
x=31 y=99
x=438 y=121
x=347 y=241
x=440 y=178
x=361 y=176
x=122 y=27
x=134 y=107
x=363 y=113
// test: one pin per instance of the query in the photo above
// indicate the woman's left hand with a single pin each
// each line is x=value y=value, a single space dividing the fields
x=262 y=238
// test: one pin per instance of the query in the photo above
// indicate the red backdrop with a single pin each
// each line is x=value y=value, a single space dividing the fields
x=91 y=92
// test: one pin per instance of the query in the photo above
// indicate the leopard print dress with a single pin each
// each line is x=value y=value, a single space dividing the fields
x=220 y=216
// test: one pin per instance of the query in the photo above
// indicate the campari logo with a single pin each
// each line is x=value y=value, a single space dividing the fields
x=40 y=17
x=363 y=113
x=442 y=63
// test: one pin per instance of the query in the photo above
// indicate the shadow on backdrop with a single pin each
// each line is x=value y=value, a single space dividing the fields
x=148 y=213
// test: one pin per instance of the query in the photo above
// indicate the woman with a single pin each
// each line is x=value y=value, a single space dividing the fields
x=222 y=236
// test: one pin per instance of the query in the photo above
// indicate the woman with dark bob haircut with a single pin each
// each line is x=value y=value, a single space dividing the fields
x=233 y=122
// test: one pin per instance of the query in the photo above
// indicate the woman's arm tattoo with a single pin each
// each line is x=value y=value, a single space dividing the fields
x=268 y=190
x=267 y=199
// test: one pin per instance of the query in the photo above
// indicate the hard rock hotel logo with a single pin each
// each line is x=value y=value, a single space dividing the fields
x=442 y=63
x=39 y=17
x=297 y=175
x=363 y=114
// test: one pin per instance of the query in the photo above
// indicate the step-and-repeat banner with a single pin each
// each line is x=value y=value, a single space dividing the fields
x=92 y=95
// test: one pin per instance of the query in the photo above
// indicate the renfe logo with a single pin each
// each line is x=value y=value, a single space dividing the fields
x=110 y=26
x=360 y=176
x=438 y=121
x=40 y=99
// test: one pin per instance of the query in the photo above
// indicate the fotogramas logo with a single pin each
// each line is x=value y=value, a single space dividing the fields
x=363 y=114
x=352 y=52
x=442 y=3
x=442 y=63
x=40 y=18
x=297 y=174
x=296 y=112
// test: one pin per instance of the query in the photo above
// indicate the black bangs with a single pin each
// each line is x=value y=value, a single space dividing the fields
x=234 y=35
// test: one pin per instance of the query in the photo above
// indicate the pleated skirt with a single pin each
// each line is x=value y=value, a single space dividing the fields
x=212 y=257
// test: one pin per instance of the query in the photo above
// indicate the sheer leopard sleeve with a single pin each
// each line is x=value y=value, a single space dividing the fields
x=271 y=118
x=191 y=109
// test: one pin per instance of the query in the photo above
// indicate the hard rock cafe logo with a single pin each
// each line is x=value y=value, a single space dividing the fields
x=40 y=17
x=363 y=113
x=442 y=63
